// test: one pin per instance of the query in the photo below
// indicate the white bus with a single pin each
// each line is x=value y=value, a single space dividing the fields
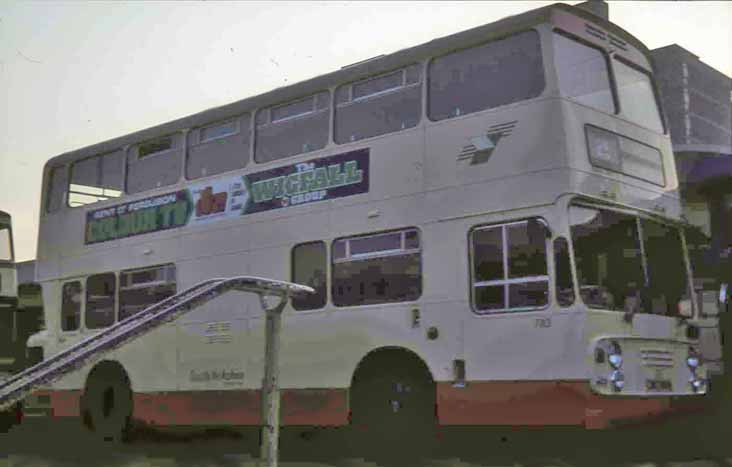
x=491 y=221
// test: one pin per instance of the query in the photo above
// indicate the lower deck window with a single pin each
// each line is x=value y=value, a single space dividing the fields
x=70 y=306
x=309 y=268
x=100 y=298
x=379 y=268
x=509 y=266
x=142 y=288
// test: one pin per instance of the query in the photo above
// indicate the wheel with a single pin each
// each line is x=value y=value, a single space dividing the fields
x=107 y=403
x=393 y=408
x=10 y=417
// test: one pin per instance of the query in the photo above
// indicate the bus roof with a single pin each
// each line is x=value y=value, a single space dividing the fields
x=359 y=70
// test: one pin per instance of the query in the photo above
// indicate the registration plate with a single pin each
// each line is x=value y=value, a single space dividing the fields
x=658 y=385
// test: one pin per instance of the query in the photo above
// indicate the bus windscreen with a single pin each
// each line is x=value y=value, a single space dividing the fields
x=620 y=257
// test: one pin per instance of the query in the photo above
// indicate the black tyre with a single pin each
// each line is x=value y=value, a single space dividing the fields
x=10 y=417
x=393 y=408
x=107 y=403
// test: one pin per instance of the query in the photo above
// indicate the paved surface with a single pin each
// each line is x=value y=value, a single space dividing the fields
x=66 y=444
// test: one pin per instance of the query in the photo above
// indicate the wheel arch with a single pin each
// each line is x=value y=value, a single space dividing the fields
x=393 y=353
x=110 y=368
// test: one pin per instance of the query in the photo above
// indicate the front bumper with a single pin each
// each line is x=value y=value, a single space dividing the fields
x=650 y=368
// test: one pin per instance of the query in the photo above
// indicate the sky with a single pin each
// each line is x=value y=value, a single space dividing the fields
x=74 y=74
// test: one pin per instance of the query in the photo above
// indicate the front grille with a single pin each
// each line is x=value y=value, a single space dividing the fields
x=657 y=358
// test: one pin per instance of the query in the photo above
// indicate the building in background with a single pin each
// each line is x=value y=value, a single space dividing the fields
x=697 y=100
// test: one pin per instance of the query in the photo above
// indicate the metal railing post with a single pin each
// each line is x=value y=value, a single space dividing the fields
x=270 y=384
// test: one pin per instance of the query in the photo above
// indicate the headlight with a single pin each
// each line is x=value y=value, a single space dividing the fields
x=616 y=355
x=618 y=380
x=693 y=360
x=698 y=384
x=616 y=360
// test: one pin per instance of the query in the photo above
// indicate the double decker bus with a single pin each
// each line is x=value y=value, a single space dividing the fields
x=490 y=220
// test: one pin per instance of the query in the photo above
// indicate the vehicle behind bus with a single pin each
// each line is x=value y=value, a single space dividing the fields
x=21 y=315
x=8 y=314
x=8 y=294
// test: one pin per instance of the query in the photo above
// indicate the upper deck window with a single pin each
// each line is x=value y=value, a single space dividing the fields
x=380 y=105
x=56 y=188
x=583 y=73
x=637 y=99
x=154 y=147
x=291 y=129
x=218 y=147
x=153 y=164
x=219 y=130
x=490 y=75
x=96 y=179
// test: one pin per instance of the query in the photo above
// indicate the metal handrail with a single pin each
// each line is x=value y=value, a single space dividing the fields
x=94 y=347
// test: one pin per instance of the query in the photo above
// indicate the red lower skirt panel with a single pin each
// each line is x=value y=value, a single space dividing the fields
x=297 y=407
x=528 y=403
x=63 y=403
x=538 y=403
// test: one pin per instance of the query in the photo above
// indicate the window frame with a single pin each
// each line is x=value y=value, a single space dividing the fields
x=138 y=146
x=608 y=66
x=166 y=267
x=132 y=156
x=313 y=98
x=367 y=256
x=11 y=246
x=554 y=283
x=639 y=216
x=115 y=297
x=123 y=191
x=82 y=305
x=65 y=172
x=594 y=164
x=404 y=85
x=428 y=74
x=237 y=123
x=506 y=280
x=193 y=141
x=654 y=87
x=266 y=110
x=327 y=274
